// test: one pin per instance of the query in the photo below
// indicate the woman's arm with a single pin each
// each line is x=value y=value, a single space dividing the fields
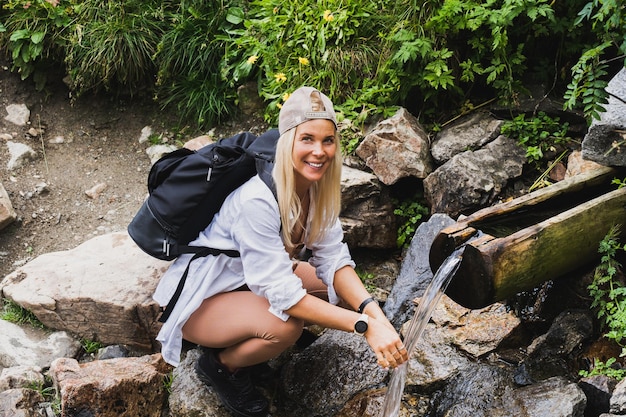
x=380 y=335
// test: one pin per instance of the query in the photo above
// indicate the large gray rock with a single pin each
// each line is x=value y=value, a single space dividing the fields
x=472 y=132
x=100 y=290
x=474 y=179
x=605 y=142
x=367 y=213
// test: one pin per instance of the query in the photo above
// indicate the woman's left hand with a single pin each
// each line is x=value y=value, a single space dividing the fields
x=386 y=344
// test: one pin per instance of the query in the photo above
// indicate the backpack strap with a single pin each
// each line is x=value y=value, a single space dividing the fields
x=199 y=253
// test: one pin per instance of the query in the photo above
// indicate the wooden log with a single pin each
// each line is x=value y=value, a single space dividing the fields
x=555 y=231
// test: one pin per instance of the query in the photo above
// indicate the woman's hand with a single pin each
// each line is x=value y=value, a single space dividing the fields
x=386 y=343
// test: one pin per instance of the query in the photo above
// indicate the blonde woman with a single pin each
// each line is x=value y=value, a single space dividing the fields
x=247 y=310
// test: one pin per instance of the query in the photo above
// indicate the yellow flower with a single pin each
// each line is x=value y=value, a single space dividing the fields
x=286 y=96
x=280 y=106
x=252 y=59
x=275 y=10
x=328 y=16
x=280 y=77
x=303 y=61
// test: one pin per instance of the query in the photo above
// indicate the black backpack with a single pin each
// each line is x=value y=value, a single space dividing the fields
x=187 y=188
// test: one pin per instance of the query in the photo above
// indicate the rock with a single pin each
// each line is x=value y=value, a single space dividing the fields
x=122 y=387
x=7 y=213
x=19 y=153
x=146 y=132
x=21 y=376
x=415 y=273
x=155 y=152
x=605 y=141
x=474 y=179
x=20 y=402
x=33 y=347
x=598 y=390
x=367 y=214
x=397 y=148
x=469 y=133
x=198 y=142
x=18 y=114
x=95 y=191
x=101 y=290
x=577 y=165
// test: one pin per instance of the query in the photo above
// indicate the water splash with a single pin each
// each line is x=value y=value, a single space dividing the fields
x=421 y=317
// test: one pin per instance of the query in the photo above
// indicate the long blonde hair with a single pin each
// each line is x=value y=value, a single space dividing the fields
x=325 y=193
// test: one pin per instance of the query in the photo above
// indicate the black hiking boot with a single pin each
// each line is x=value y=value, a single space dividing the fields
x=235 y=390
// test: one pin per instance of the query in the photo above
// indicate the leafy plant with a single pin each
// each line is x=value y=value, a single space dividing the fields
x=14 y=313
x=113 y=44
x=412 y=211
x=537 y=134
x=189 y=58
x=619 y=183
x=90 y=346
x=587 y=87
x=604 y=368
x=35 y=34
x=608 y=290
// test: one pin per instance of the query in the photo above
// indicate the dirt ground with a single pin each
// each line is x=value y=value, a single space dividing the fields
x=93 y=142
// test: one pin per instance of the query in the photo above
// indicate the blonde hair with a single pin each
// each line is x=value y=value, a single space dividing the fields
x=325 y=193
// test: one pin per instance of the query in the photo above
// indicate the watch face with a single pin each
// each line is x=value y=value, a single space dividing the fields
x=360 y=326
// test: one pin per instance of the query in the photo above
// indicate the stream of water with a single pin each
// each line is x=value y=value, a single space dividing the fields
x=432 y=295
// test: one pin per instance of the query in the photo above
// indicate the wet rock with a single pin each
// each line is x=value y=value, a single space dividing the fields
x=335 y=367
x=553 y=353
x=415 y=273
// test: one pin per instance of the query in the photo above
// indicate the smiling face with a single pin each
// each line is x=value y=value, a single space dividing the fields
x=314 y=149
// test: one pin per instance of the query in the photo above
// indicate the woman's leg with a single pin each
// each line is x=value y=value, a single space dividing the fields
x=241 y=323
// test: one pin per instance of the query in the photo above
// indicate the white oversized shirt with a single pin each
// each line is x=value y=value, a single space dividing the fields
x=248 y=222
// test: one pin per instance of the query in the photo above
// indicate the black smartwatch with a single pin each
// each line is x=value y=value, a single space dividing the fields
x=360 y=326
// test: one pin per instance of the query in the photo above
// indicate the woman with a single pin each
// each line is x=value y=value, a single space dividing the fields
x=248 y=310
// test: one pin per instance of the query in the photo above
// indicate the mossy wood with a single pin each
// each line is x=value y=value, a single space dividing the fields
x=543 y=235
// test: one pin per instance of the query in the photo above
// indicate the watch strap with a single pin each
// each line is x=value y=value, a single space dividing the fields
x=364 y=303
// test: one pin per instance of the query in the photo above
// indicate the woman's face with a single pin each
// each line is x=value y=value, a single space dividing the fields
x=314 y=149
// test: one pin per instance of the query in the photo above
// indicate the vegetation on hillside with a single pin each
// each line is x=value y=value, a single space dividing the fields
x=435 y=57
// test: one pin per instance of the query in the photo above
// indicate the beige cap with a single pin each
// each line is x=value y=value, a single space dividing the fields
x=306 y=103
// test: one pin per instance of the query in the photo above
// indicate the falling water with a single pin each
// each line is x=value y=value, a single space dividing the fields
x=432 y=295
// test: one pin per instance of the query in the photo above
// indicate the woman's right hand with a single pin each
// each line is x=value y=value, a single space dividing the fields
x=386 y=343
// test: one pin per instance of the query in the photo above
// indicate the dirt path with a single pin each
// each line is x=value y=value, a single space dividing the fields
x=98 y=145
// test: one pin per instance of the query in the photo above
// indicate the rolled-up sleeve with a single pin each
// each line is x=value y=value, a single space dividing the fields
x=329 y=255
x=266 y=264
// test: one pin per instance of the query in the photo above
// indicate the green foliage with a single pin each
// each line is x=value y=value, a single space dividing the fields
x=14 y=313
x=619 y=183
x=332 y=45
x=189 y=60
x=607 y=20
x=604 y=368
x=90 y=346
x=537 y=134
x=112 y=44
x=35 y=34
x=369 y=56
x=412 y=212
x=608 y=290
x=168 y=380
